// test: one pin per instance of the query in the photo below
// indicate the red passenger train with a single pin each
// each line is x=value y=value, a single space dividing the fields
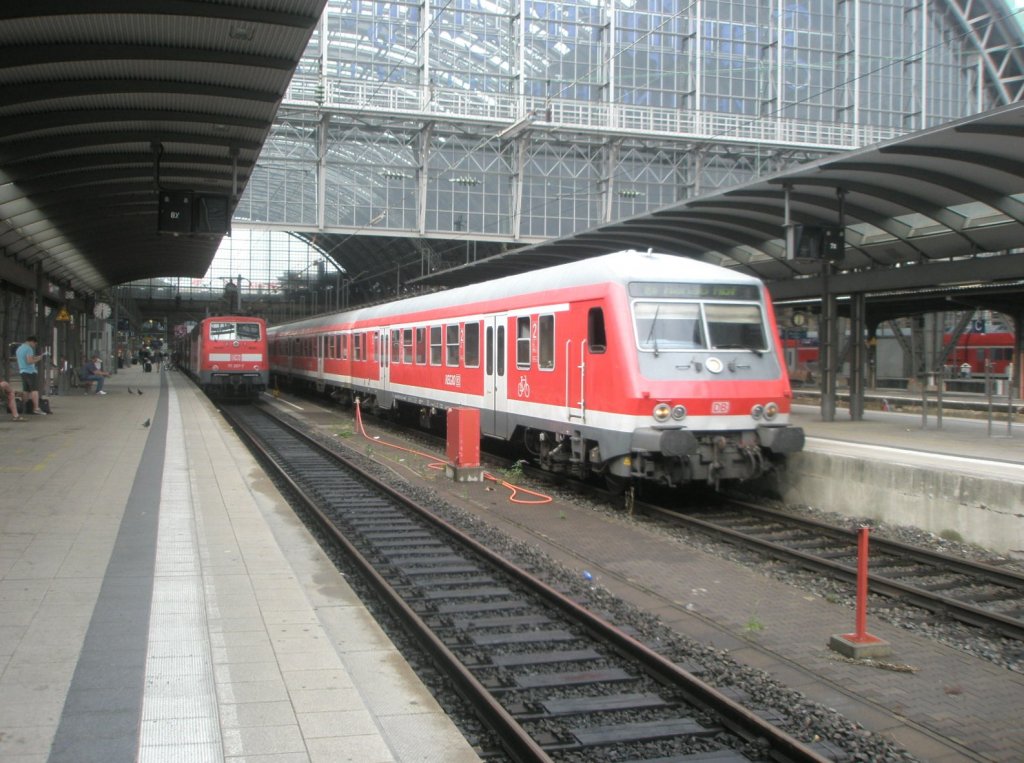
x=630 y=365
x=227 y=357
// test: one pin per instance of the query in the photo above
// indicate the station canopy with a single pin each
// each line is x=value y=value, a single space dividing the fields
x=108 y=107
x=942 y=206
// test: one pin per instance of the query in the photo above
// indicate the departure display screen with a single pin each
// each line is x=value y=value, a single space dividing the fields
x=694 y=290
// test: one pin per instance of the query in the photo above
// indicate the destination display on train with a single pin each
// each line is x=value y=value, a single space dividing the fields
x=694 y=290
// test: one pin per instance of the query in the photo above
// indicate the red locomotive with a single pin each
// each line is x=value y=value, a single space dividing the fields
x=630 y=365
x=227 y=356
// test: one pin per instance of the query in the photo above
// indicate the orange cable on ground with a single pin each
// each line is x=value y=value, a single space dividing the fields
x=435 y=464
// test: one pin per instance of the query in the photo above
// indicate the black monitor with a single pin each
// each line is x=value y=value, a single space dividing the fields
x=211 y=214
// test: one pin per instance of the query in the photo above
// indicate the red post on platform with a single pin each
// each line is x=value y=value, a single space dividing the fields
x=861 y=644
x=861 y=624
x=463 y=437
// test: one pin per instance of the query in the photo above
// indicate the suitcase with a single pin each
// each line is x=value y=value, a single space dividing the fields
x=25 y=406
x=147 y=367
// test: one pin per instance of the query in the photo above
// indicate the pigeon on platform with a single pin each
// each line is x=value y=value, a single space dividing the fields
x=130 y=391
x=140 y=390
x=145 y=423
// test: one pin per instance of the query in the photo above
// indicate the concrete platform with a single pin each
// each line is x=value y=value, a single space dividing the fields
x=159 y=601
x=964 y=481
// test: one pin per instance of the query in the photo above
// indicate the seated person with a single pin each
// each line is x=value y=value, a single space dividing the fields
x=93 y=371
x=7 y=389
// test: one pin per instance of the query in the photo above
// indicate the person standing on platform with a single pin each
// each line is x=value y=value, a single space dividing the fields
x=93 y=371
x=8 y=390
x=27 y=359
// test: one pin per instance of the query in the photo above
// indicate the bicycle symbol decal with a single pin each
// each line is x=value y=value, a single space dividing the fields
x=523 y=389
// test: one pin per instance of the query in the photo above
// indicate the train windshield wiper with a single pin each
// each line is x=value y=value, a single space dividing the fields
x=751 y=348
x=650 y=334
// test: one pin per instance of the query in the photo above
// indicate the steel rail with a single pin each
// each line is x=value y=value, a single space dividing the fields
x=962 y=611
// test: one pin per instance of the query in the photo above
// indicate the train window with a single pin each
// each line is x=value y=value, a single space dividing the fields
x=472 y=345
x=343 y=349
x=501 y=350
x=396 y=345
x=452 y=344
x=523 y=342
x=489 y=351
x=595 y=330
x=435 y=345
x=407 y=345
x=668 y=325
x=357 y=347
x=546 y=342
x=736 y=327
x=421 y=346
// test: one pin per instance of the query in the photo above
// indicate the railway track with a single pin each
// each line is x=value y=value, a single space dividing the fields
x=550 y=679
x=970 y=592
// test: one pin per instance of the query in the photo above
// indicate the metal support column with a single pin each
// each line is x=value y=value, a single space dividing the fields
x=827 y=339
x=858 y=310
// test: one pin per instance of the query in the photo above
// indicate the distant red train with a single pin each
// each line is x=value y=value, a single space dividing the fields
x=989 y=351
x=227 y=357
x=982 y=352
x=630 y=366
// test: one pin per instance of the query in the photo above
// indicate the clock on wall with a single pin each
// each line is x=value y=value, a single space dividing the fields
x=101 y=311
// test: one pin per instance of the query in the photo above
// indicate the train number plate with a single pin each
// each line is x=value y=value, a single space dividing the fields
x=719 y=407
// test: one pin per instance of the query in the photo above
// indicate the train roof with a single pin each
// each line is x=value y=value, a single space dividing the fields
x=619 y=267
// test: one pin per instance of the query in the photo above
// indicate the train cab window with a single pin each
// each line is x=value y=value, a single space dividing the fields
x=231 y=331
x=523 y=342
x=668 y=326
x=421 y=346
x=546 y=342
x=472 y=351
x=452 y=345
x=736 y=327
x=407 y=345
x=435 y=345
x=596 y=340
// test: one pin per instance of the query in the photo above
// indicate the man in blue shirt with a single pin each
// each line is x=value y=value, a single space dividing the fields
x=27 y=359
x=92 y=372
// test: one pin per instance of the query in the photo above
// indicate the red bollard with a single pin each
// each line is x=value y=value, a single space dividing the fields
x=861 y=645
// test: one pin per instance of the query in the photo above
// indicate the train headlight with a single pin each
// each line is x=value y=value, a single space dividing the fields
x=757 y=412
x=662 y=411
x=679 y=412
x=771 y=411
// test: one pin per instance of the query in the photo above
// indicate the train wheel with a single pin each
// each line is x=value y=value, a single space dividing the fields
x=616 y=485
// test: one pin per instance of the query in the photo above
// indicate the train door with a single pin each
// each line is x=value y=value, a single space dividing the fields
x=321 y=346
x=494 y=416
x=384 y=358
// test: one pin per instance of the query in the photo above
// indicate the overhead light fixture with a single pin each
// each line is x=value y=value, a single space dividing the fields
x=242 y=32
x=518 y=127
x=464 y=180
x=630 y=193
